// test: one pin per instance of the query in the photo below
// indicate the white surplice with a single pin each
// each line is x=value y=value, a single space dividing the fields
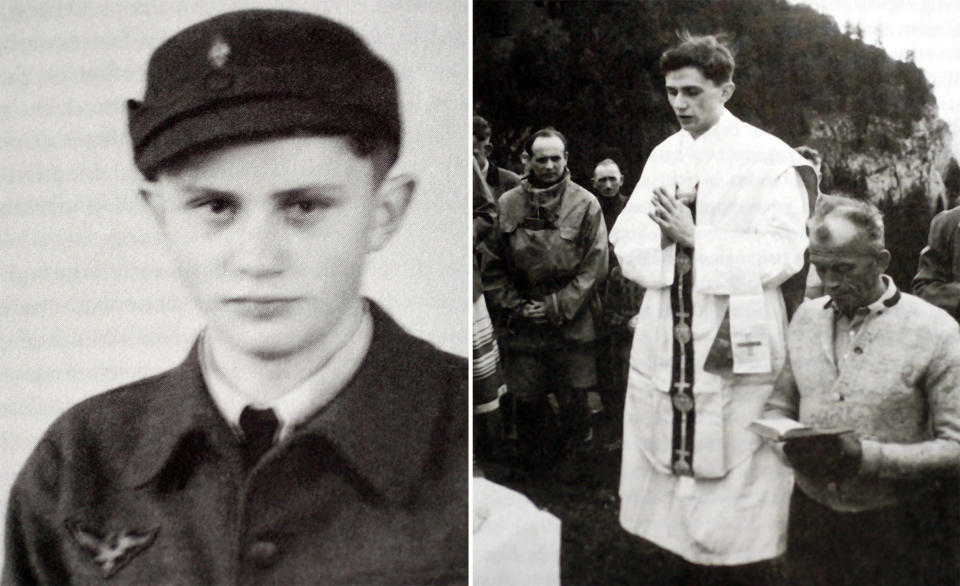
x=751 y=209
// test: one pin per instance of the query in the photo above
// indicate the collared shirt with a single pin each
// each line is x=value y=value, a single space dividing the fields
x=146 y=484
x=298 y=404
x=846 y=330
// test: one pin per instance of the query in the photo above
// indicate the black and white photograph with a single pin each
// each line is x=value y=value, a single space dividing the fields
x=715 y=331
x=235 y=292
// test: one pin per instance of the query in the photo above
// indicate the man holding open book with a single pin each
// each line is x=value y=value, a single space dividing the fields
x=885 y=366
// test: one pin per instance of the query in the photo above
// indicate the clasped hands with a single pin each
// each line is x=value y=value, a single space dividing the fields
x=535 y=311
x=834 y=456
x=673 y=216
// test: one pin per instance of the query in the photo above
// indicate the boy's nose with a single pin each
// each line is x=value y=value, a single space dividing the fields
x=258 y=247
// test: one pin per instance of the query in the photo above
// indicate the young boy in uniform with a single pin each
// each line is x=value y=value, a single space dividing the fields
x=306 y=438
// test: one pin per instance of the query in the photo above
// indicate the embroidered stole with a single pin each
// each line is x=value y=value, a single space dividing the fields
x=681 y=380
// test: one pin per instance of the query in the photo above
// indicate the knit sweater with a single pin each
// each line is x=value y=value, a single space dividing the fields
x=898 y=390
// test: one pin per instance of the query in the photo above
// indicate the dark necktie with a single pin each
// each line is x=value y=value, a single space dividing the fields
x=259 y=426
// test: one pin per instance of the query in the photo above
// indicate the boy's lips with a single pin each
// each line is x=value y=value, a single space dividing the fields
x=261 y=307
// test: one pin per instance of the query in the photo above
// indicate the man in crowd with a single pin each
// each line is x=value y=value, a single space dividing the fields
x=886 y=366
x=621 y=302
x=550 y=257
x=938 y=276
x=713 y=228
x=607 y=182
x=498 y=179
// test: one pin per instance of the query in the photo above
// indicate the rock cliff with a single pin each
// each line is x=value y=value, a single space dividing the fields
x=887 y=160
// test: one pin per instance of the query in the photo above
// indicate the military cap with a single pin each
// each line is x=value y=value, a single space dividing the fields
x=257 y=73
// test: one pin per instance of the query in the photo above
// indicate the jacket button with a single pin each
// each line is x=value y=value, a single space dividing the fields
x=858 y=350
x=263 y=553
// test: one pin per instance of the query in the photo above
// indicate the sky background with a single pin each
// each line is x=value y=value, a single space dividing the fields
x=931 y=29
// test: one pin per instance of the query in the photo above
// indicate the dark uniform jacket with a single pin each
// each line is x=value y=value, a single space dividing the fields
x=146 y=484
x=938 y=276
x=551 y=246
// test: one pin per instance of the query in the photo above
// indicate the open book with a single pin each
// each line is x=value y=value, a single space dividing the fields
x=781 y=428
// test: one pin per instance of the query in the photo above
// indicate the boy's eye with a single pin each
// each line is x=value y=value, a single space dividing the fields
x=218 y=206
x=215 y=205
x=306 y=206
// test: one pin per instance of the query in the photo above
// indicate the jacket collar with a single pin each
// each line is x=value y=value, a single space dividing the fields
x=178 y=406
x=828 y=315
x=544 y=202
x=381 y=422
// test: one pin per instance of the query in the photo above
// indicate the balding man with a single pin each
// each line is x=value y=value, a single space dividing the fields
x=551 y=256
x=607 y=181
x=885 y=365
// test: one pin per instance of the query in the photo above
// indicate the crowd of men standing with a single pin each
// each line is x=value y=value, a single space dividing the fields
x=687 y=320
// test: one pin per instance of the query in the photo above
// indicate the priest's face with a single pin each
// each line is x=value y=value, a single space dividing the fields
x=696 y=100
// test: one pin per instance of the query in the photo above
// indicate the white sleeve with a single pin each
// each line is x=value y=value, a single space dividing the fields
x=636 y=238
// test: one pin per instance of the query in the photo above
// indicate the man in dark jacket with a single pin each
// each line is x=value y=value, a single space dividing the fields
x=306 y=438
x=541 y=283
x=938 y=276
x=621 y=302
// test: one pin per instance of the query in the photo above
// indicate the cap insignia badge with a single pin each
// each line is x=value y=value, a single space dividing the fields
x=219 y=52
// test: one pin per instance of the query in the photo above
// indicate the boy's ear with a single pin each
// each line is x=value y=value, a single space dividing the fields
x=392 y=199
x=149 y=193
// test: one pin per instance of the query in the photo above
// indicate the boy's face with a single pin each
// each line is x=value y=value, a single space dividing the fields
x=270 y=237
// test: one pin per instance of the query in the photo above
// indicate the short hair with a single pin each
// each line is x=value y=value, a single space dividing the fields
x=862 y=214
x=544 y=133
x=606 y=162
x=708 y=53
x=481 y=128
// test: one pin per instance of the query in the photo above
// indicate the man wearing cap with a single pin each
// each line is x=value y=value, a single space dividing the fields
x=306 y=438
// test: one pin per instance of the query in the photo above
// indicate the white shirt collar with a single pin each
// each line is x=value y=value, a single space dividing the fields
x=484 y=167
x=301 y=402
